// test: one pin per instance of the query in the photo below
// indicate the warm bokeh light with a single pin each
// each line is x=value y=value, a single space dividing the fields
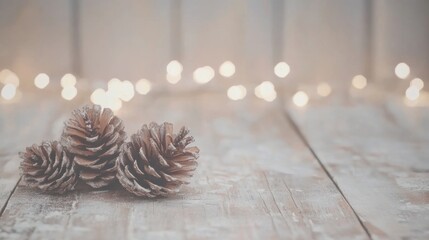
x=98 y=96
x=227 y=69
x=412 y=93
x=9 y=77
x=359 y=81
x=111 y=101
x=402 y=70
x=417 y=83
x=8 y=91
x=68 y=80
x=324 y=89
x=282 y=69
x=266 y=91
x=114 y=86
x=41 y=80
x=173 y=79
x=300 y=99
x=236 y=92
x=174 y=68
x=203 y=75
x=69 y=92
x=143 y=86
x=126 y=91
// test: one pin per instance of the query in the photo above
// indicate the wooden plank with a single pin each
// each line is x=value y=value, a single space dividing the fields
x=36 y=36
x=400 y=34
x=377 y=154
x=128 y=40
x=217 y=31
x=326 y=41
x=256 y=180
x=23 y=124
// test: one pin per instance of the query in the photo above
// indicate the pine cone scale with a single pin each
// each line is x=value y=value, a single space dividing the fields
x=48 y=167
x=96 y=144
x=156 y=162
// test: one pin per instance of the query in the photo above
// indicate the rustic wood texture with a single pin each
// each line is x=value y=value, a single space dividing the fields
x=21 y=126
x=256 y=180
x=377 y=154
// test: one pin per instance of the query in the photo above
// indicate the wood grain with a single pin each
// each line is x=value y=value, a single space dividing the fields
x=36 y=37
x=377 y=154
x=23 y=124
x=256 y=180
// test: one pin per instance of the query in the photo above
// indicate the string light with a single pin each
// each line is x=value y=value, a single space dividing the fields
x=9 y=77
x=143 y=86
x=114 y=87
x=359 y=82
x=417 y=83
x=174 y=68
x=282 y=69
x=203 y=75
x=236 y=92
x=8 y=92
x=324 y=89
x=41 y=80
x=402 y=70
x=300 y=99
x=98 y=96
x=112 y=102
x=266 y=91
x=227 y=69
x=126 y=91
x=68 y=80
x=412 y=93
x=173 y=79
x=69 y=92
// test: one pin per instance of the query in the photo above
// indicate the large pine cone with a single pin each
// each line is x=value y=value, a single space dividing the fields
x=94 y=135
x=157 y=162
x=48 y=167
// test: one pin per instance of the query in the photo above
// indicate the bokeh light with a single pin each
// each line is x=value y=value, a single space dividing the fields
x=227 y=69
x=236 y=92
x=417 y=83
x=9 y=77
x=359 y=82
x=8 y=92
x=402 y=70
x=41 y=80
x=412 y=93
x=98 y=96
x=173 y=79
x=174 y=68
x=126 y=91
x=300 y=99
x=203 y=75
x=68 y=80
x=69 y=92
x=143 y=86
x=266 y=91
x=281 y=69
x=324 y=89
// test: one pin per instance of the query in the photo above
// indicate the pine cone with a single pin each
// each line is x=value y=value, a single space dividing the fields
x=48 y=167
x=156 y=162
x=94 y=135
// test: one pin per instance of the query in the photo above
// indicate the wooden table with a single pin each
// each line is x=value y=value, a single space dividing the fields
x=339 y=168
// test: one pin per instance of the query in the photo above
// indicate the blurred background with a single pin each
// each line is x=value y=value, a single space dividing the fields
x=187 y=45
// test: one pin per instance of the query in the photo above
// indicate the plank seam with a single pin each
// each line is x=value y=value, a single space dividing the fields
x=10 y=195
x=306 y=143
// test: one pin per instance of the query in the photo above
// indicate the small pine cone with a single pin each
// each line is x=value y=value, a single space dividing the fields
x=157 y=162
x=48 y=167
x=94 y=135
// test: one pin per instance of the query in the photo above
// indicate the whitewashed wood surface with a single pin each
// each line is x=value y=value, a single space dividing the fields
x=358 y=171
x=329 y=41
x=377 y=153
